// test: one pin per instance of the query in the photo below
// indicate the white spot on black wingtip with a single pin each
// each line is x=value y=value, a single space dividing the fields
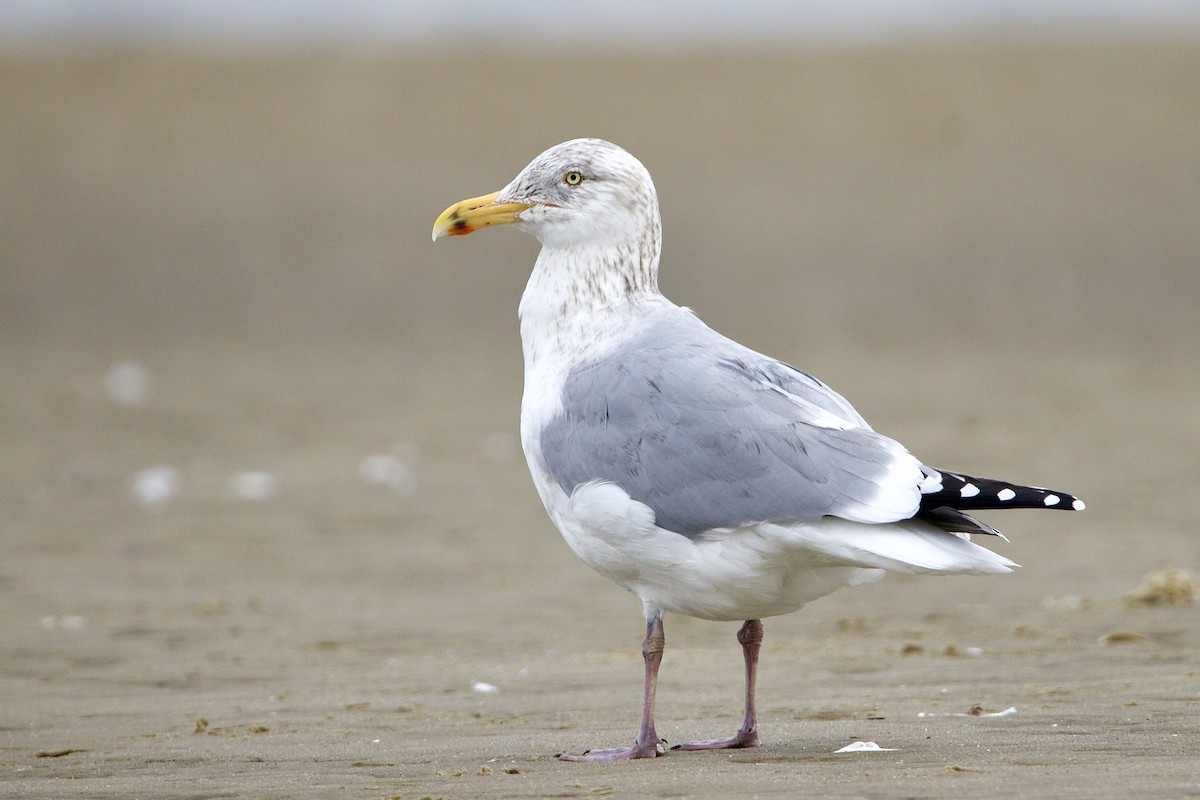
x=1078 y=505
x=1005 y=494
x=1051 y=499
x=968 y=490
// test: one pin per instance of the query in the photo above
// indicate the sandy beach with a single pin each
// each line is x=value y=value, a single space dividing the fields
x=340 y=582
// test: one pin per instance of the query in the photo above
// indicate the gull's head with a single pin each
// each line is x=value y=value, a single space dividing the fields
x=578 y=193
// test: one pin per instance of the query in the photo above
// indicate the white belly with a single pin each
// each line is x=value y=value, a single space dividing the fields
x=747 y=573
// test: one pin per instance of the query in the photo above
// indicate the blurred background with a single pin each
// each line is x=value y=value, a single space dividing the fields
x=240 y=388
x=893 y=171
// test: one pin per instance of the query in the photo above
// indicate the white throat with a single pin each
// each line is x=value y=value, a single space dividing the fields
x=576 y=292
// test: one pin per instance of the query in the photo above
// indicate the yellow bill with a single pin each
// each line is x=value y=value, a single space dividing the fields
x=468 y=216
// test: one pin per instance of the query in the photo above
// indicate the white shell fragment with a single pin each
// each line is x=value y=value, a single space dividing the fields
x=1008 y=712
x=394 y=470
x=252 y=485
x=127 y=383
x=864 y=747
x=479 y=687
x=66 y=622
x=154 y=486
x=975 y=712
x=1070 y=603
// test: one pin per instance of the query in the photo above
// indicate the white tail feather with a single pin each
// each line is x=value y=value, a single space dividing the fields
x=911 y=546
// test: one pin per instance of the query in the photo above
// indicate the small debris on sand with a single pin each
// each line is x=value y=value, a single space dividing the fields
x=1167 y=587
x=59 y=753
x=1121 y=637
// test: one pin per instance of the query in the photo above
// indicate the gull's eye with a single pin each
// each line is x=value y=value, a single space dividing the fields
x=573 y=178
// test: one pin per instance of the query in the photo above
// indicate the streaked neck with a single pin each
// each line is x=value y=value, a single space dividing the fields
x=576 y=295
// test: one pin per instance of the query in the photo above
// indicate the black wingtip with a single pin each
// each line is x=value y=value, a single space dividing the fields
x=965 y=493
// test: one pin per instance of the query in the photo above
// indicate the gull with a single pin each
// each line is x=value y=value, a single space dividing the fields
x=705 y=478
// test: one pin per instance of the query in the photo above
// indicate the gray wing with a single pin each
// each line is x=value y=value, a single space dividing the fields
x=710 y=434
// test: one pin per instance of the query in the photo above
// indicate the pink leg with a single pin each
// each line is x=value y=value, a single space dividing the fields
x=750 y=636
x=648 y=745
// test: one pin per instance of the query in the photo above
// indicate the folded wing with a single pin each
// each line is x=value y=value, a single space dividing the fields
x=712 y=435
